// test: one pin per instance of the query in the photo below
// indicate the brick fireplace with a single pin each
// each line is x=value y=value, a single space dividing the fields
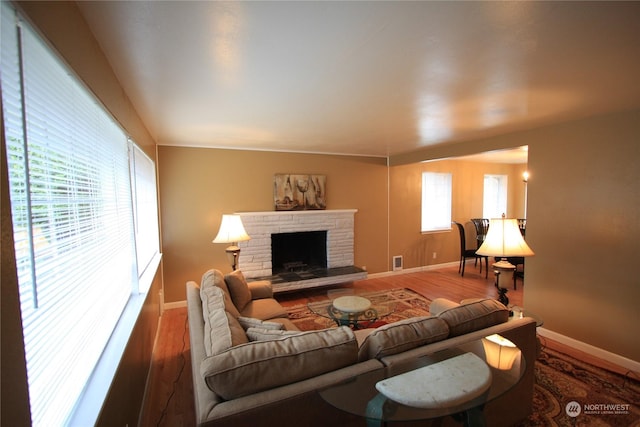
x=256 y=259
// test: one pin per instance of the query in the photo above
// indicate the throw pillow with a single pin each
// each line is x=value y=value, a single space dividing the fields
x=238 y=288
x=401 y=336
x=260 y=334
x=263 y=365
x=250 y=322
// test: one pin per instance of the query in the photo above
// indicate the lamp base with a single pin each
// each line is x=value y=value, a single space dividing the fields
x=502 y=296
x=233 y=252
x=503 y=269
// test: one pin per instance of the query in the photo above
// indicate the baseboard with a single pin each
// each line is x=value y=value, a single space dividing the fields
x=176 y=304
x=413 y=270
x=616 y=359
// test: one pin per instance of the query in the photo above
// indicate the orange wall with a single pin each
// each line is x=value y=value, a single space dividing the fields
x=582 y=223
x=467 y=188
x=198 y=185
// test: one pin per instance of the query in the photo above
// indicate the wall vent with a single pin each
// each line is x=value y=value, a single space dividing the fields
x=397 y=262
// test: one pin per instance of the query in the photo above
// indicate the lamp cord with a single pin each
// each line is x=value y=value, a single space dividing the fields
x=181 y=370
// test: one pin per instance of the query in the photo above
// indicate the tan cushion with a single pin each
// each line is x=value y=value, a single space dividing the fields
x=223 y=333
x=263 y=365
x=212 y=299
x=238 y=288
x=401 y=336
x=439 y=305
x=265 y=309
x=474 y=316
x=260 y=289
x=215 y=278
x=250 y=322
x=260 y=334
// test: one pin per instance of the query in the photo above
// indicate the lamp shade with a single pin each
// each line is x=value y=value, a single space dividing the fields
x=231 y=230
x=500 y=352
x=504 y=239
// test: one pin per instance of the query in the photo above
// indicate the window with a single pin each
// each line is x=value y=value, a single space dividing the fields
x=436 y=201
x=146 y=209
x=494 y=202
x=74 y=197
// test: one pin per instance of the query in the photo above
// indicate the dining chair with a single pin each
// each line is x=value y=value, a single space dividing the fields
x=482 y=227
x=464 y=252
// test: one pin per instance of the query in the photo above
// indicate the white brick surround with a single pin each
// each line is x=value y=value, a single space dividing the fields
x=255 y=255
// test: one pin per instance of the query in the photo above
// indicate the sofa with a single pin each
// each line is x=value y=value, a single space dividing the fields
x=251 y=365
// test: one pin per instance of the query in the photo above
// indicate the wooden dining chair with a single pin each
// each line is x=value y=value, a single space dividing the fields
x=464 y=252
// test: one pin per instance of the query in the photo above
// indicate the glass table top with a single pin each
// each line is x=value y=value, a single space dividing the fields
x=359 y=395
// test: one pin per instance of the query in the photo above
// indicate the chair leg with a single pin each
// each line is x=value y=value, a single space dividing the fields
x=463 y=264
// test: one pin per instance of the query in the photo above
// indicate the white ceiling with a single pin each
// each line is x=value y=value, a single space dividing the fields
x=367 y=78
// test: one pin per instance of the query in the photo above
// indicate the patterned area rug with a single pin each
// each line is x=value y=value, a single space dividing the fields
x=593 y=396
x=569 y=392
x=408 y=304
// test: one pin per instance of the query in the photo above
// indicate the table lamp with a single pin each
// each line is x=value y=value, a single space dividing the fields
x=232 y=231
x=500 y=352
x=504 y=240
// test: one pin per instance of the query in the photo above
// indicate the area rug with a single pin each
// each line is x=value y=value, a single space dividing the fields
x=568 y=392
x=408 y=304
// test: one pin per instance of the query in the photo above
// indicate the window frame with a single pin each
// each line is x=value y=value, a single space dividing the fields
x=437 y=189
x=89 y=403
x=499 y=198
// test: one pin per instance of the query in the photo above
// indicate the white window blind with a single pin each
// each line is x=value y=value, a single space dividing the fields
x=494 y=197
x=73 y=219
x=436 y=201
x=146 y=208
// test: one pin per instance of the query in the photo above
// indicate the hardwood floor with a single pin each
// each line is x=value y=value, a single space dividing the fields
x=169 y=400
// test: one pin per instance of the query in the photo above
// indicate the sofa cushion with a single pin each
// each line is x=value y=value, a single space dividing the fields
x=262 y=365
x=214 y=278
x=439 y=305
x=474 y=316
x=251 y=322
x=222 y=331
x=403 y=335
x=260 y=334
x=212 y=299
x=238 y=288
x=266 y=309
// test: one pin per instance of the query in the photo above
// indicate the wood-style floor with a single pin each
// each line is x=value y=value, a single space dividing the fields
x=169 y=400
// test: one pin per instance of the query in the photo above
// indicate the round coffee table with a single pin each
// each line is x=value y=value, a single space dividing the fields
x=354 y=311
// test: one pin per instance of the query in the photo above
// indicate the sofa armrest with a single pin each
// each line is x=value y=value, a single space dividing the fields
x=260 y=289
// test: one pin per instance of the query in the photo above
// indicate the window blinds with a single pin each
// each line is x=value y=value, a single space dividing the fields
x=73 y=218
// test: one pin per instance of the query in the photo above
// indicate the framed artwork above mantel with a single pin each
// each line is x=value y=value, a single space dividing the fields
x=296 y=192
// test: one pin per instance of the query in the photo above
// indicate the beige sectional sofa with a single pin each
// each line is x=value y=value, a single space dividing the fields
x=251 y=366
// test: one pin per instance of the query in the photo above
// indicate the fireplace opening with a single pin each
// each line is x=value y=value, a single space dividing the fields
x=298 y=252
